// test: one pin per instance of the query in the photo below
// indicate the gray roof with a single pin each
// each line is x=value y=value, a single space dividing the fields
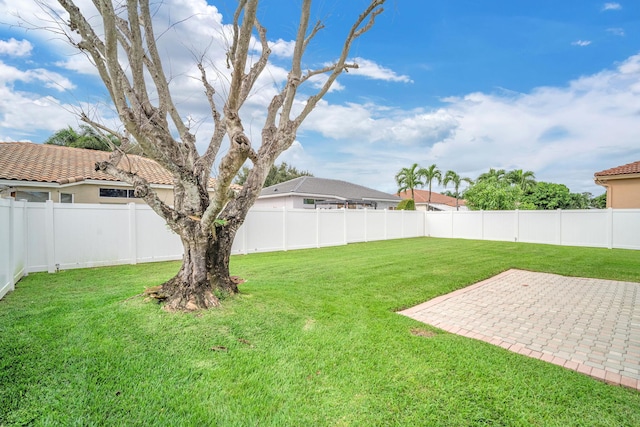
x=312 y=186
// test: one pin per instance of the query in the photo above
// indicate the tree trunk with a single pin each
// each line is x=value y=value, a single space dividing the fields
x=204 y=276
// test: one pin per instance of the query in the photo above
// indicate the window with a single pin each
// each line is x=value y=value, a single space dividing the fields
x=66 y=198
x=309 y=201
x=32 y=196
x=117 y=192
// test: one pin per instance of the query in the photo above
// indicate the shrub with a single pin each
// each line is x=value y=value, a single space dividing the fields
x=407 y=205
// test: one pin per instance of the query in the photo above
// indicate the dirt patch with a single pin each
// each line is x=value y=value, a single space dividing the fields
x=423 y=333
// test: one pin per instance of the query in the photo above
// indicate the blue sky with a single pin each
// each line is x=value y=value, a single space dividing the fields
x=547 y=86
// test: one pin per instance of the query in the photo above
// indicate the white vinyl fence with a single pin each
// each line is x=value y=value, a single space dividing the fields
x=13 y=243
x=51 y=236
x=602 y=228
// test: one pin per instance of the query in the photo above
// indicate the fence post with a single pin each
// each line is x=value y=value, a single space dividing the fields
x=133 y=241
x=452 y=213
x=317 y=228
x=344 y=228
x=386 y=227
x=11 y=262
x=25 y=236
x=425 y=223
x=517 y=226
x=284 y=228
x=49 y=236
x=610 y=228
x=5 y=264
x=366 y=225
x=559 y=227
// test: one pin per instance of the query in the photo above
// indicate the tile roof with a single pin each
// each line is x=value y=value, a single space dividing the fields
x=422 y=196
x=309 y=185
x=25 y=161
x=621 y=170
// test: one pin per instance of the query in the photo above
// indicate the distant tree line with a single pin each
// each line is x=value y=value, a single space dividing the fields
x=499 y=189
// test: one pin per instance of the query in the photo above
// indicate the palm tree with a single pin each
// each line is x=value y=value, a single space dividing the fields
x=410 y=178
x=431 y=173
x=453 y=177
x=87 y=138
x=497 y=174
x=90 y=139
x=524 y=180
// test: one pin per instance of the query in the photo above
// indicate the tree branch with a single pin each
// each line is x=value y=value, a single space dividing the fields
x=204 y=164
x=257 y=68
x=369 y=15
x=326 y=69
x=143 y=190
x=240 y=51
x=157 y=73
x=293 y=80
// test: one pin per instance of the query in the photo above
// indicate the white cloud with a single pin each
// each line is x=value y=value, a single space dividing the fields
x=612 y=6
x=375 y=71
x=616 y=31
x=581 y=43
x=22 y=115
x=52 y=80
x=13 y=47
x=563 y=134
x=282 y=48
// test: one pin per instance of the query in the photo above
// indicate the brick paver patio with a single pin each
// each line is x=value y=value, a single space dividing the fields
x=588 y=325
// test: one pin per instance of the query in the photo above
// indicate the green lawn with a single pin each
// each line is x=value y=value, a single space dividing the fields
x=313 y=339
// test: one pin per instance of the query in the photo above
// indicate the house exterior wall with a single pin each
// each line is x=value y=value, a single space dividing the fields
x=276 y=202
x=623 y=193
x=297 y=202
x=90 y=193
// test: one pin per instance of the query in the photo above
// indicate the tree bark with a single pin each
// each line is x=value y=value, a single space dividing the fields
x=203 y=278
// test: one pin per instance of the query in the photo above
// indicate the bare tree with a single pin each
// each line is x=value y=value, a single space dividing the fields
x=125 y=53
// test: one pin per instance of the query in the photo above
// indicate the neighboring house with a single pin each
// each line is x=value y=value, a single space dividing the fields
x=38 y=172
x=622 y=184
x=310 y=192
x=439 y=202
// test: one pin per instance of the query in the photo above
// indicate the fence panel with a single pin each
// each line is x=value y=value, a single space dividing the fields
x=38 y=243
x=393 y=224
x=356 y=224
x=6 y=265
x=265 y=231
x=376 y=225
x=88 y=237
x=585 y=228
x=19 y=240
x=625 y=228
x=539 y=227
x=302 y=228
x=467 y=225
x=331 y=227
x=151 y=238
x=500 y=225
x=413 y=224
x=13 y=249
x=439 y=224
